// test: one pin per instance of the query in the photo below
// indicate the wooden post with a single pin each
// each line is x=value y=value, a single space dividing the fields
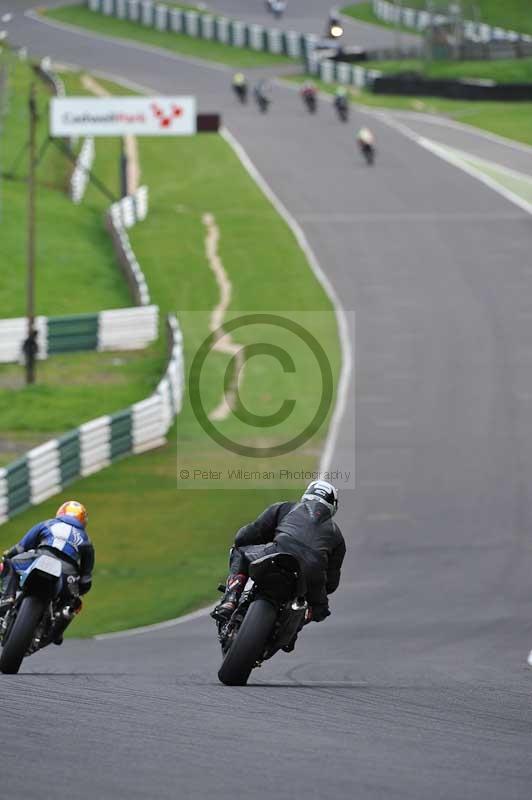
x=30 y=343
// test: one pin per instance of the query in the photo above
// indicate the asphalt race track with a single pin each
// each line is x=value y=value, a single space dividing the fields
x=417 y=686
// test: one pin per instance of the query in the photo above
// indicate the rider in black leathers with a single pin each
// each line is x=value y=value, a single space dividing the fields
x=304 y=529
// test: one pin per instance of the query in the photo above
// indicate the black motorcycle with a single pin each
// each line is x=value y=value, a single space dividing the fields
x=311 y=101
x=262 y=100
x=241 y=91
x=267 y=619
x=46 y=602
x=342 y=108
x=368 y=151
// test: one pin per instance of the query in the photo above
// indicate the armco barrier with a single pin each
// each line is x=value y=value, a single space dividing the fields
x=47 y=469
x=117 y=329
x=421 y=19
x=205 y=25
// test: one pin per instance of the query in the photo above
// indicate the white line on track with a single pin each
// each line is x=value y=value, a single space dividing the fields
x=442 y=152
x=158 y=626
x=433 y=119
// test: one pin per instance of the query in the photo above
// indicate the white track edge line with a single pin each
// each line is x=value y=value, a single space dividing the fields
x=438 y=150
x=157 y=626
x=341 y=318
x=465 y=127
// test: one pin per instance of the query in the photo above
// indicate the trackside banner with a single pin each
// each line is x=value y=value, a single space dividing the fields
x=118 y=116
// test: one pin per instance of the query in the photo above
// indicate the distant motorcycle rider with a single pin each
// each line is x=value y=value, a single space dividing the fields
x=341 y=100
x=64 y=537
x=304 y=529
x=240 y=86
x=366 y=143
x=309 y=95
x=262 y=93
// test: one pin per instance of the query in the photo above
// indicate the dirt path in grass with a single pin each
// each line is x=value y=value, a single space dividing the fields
x=224 y=342
x=130 y=142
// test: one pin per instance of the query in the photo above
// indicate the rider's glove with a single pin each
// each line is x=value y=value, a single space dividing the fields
x=10 y=553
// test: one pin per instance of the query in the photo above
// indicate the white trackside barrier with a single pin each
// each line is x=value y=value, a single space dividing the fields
x=3 y=496
x=44 y=471
x=146 y=12
x=161 y=17
x=95 y=445
x=13 y=333
x=80 y=175
x=192 y=23
x=133 y=10
x=207 y=22
x=239 y=34
x=128 y=328
x=223 y=29
x=148 y=424
x=123 y=215
x=256 y=37
x=274 y=41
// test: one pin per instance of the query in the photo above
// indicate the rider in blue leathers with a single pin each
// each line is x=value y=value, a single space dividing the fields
x=63 y=537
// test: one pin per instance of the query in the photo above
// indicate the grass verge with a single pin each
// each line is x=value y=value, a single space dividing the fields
x=178 y=43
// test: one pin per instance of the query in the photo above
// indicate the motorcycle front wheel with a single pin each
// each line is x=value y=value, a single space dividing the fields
x=21 y=634
x=249 y=643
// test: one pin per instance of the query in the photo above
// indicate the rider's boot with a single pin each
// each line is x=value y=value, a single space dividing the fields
x=233 y=589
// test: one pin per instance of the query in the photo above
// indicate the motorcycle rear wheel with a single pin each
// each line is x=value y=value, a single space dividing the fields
x=19 y=639
x=249 y=643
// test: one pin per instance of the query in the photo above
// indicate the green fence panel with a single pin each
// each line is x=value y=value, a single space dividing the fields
x=121 y=433
x=68 y=334
x=18 y=486
x=69 y=456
